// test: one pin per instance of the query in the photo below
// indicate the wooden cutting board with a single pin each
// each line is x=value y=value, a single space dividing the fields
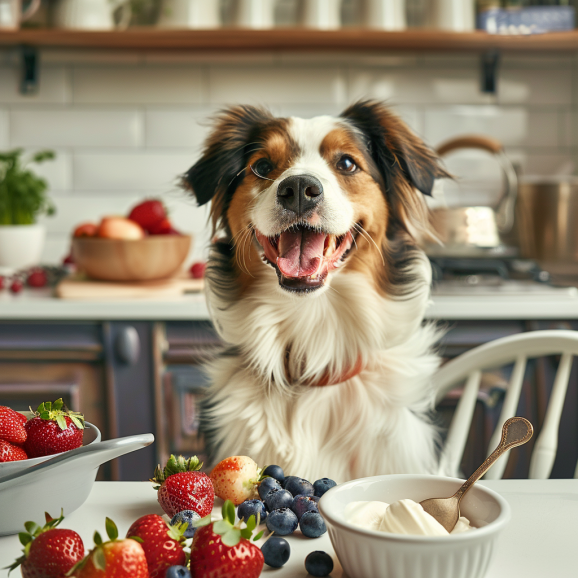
x=89 y=289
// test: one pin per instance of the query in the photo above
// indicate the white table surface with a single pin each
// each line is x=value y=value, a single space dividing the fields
x=540 y=542
x=39 y=304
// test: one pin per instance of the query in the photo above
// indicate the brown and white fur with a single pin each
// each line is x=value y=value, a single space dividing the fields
x=287 y=328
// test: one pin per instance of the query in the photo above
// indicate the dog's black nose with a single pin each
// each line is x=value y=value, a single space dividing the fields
x=299 y=193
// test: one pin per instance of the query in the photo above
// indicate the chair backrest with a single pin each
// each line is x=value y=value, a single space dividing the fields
x=515 y=349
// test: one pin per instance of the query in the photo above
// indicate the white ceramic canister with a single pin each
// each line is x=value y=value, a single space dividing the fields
x=11 y=14
x=255 y=14
x=21 y=246
x=320 y=14
x=190 y=14
x=455 y=15
x=384 y=14
x=90 y=14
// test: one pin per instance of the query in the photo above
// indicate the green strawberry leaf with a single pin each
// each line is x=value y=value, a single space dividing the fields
x=77 y=421
x=246 y=533
x=58 y=404
x=232 y=537
x=259 y=536
x=228 y=511
x=111 y=529
x=31 y=527
x=24 y=538
x=61 y=422
x=222 y=527
x=202 y=522
x=251 y=524
x=136 y=539
x=97 y=539
x=98 y=559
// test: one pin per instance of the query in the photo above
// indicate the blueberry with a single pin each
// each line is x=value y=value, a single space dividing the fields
x=251 y=508
x=299 y=486
x=319 y=564
x=312 y=525
x=288 y=479
x=275 y=472
x=177 y=572
x=276 y=551
x=322 y=485
x=282 y=522
x=302 y=504
x=188 y=516
x=267 y=485
x=277 y=499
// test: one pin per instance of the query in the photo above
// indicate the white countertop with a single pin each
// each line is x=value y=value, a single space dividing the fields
x=38 y=304
x=539 y=542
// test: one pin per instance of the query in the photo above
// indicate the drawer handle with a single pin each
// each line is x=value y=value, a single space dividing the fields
x=127 y=345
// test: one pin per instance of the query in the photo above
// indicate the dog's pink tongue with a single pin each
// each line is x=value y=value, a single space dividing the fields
x=300 y=252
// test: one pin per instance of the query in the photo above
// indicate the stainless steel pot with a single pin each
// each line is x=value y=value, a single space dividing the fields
x=546 y=214
x=475 y=231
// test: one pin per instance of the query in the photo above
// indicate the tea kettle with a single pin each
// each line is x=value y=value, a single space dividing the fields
x=475 y=231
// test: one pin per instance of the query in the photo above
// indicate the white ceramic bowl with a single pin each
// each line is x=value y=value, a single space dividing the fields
x=370 y=554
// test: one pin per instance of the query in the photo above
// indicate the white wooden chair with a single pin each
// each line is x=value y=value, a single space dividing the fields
x=515 y=349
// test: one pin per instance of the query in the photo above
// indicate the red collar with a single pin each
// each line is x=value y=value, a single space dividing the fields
x=326 y=378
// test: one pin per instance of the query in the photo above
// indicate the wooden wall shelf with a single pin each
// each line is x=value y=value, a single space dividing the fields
x=291 y=39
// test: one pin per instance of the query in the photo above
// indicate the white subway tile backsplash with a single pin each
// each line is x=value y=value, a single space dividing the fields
x=535 y=87
x=56 y=248
x=77 y=127
x=54 y=86
x=138 y=85
x=176 y=128
x=511 y=126
x=57 y=172
x=4 y=129
x=276 y=85
x=127 y=173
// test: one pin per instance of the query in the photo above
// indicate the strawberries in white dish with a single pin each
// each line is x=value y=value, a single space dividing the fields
x=162 y=544
x=236 y=479
x=49 y=552
x=183 y=487
x=11 y=453
x=224 y=550
x=53 y=429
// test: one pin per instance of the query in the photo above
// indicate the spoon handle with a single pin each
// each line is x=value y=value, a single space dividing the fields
x=515 y=432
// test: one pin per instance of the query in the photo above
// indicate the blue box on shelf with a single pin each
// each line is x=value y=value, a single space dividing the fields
x=529 y=20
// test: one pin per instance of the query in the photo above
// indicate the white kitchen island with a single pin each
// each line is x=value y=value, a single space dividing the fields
x=539 y=542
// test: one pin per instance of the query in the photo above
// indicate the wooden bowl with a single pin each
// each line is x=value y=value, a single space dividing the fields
x=154 y=257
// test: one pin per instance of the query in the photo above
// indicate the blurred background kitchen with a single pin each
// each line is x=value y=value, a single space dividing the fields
x=120 y=92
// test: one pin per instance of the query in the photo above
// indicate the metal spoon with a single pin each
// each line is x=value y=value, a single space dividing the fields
x=516 y=432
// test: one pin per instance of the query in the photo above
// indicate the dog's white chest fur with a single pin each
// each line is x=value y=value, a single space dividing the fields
x=374 y=423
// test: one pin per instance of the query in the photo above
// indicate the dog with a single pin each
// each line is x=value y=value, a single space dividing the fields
x=317 y=286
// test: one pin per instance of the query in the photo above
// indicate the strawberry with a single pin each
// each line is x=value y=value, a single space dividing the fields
x=236 y=479
x=16 y=286
x=37 y=278
x=197 y=270
x=11 y=427
x=183 y=487
x=11 y=453
x=162 y=544
x=148 y=214
x=49 y=552
x=223 y=550
x=21 y=417
x=54 y=429
x=113 y=559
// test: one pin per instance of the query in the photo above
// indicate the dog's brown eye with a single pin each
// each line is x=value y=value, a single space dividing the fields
x=263 y=167
x=346 y=164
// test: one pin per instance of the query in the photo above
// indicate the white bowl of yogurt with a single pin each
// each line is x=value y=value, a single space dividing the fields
x=366 y=551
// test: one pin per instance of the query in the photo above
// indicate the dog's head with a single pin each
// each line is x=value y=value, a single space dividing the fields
x=314 y=197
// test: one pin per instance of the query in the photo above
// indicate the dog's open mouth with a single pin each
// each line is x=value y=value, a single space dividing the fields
x=303 y=256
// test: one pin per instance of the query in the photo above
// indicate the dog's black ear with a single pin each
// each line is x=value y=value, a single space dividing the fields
x=394 y=147
x=217 y=173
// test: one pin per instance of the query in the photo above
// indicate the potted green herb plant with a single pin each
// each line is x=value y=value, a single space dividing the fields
x=23 y=199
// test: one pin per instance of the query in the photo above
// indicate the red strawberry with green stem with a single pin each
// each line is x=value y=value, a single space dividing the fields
x=49 y=552
x=236 y=479
x=11 y=453
x=54 y=429
x=162 y=544
x=148 y=214
x=181 y=486
x=113 y=559
x=224 y=550
x=11 y=427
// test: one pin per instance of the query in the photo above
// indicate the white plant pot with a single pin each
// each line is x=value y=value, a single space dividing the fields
x=21 y=245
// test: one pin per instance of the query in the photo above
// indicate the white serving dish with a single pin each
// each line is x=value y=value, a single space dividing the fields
x=370 y=554
x=28 y=488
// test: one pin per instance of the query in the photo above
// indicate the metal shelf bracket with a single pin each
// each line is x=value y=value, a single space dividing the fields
x=29 y=65
x=489 y=71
